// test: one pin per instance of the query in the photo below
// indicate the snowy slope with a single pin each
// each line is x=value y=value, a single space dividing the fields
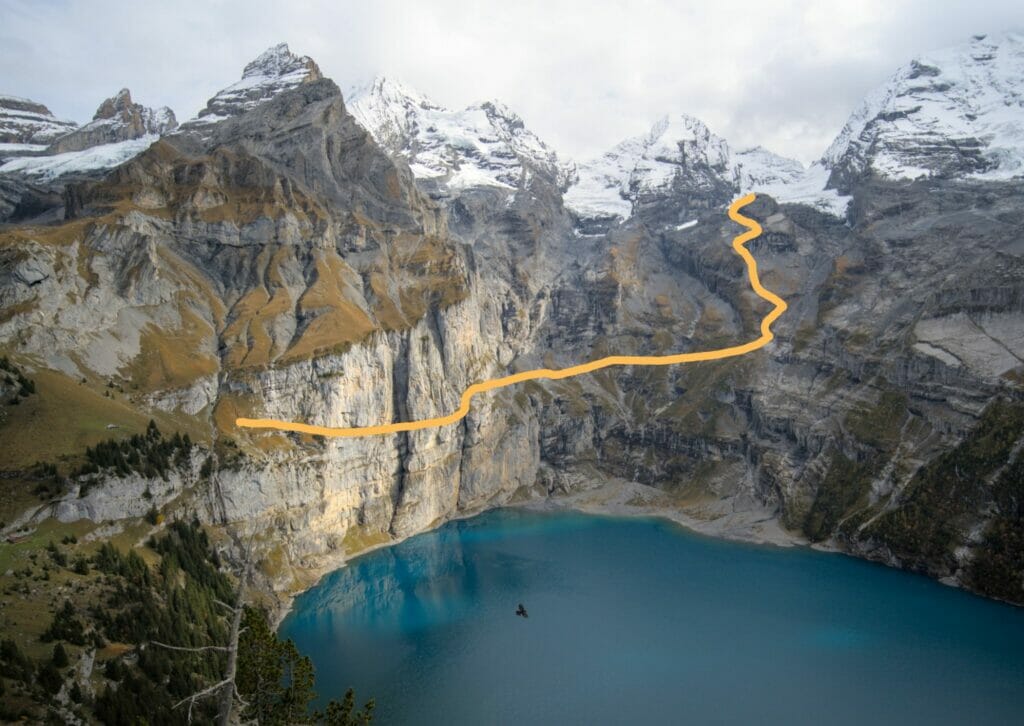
x=96 y=158
x=26 y=122
x=274 y=71
x=482 y=145
x=786 y=180
x=958 y=112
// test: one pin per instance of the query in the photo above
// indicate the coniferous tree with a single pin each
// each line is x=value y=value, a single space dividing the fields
x=13 y=663
x=344 y=713
x=49 y=677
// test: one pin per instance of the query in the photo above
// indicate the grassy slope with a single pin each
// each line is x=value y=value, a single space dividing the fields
x=65 y=416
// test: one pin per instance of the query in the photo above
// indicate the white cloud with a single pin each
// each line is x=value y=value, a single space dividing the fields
x=584 y=75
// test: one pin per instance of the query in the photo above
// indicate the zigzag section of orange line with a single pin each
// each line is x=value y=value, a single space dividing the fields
x=548 y=374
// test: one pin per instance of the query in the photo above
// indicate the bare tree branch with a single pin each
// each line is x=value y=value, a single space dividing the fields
x=239 y=695
x=191 y=700
x=196 y=649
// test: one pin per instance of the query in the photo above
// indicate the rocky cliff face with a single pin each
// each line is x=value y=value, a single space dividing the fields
x=278 y=261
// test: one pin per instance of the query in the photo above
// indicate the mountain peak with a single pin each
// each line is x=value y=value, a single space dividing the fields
x=392 y=89
x=278 y=61
x=955 y=112
x=678 y=152
x=482 y=145
x=681 y=158
x=115 y=104
x=272 y=72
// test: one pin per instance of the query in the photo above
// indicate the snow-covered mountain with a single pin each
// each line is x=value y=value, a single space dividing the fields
x=958 y=112
x=274 y=71
x=678 y=153
x=122 y=129
x=484 y=144
x=681 y=156
x=117 y=119
x=952 y=113
x=28 y=126
x=119 y=130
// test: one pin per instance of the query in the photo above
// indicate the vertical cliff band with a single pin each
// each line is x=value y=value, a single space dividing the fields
x=738 y=244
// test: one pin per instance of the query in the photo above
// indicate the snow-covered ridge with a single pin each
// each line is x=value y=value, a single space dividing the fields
x=482 y=145
x=957 y=112
x=274 y=71
x=23 y=121
x=48 y=149
x=952 y=113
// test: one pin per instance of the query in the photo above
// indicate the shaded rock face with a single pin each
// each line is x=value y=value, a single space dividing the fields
x=302 y=273
x=117 y=119
x=26 y=122
x=20 y=200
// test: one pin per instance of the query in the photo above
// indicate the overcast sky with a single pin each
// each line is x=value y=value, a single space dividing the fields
x=583 y=75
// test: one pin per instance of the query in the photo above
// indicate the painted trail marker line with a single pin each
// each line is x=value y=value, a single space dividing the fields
x=547 y=374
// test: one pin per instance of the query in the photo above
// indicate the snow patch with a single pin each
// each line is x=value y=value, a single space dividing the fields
x=22 y=148
x=106 y=156
x=944 y=356
x=787 y=181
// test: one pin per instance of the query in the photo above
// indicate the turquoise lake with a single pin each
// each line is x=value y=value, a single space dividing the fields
x=636 y=621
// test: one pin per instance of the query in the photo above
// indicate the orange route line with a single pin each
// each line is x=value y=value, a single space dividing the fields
x=753 y=231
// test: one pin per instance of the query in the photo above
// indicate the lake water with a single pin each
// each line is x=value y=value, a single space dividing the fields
x=636 y=621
